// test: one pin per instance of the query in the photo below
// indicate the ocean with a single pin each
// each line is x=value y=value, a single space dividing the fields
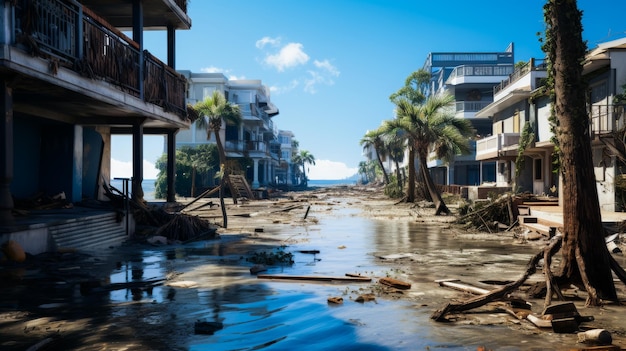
x=148 y=185
x=331 y=182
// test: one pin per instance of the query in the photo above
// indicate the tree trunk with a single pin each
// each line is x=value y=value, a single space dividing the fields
x=382 y=167
x=193 y=181
x=440 y=206
x=585 y=255
x=399 y=180
x=222 y=154
x=410 y=191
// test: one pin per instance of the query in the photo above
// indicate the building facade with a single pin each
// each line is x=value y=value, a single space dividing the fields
x=255 y=143
x=70 y=78
x=470 y=78
x=521 y=114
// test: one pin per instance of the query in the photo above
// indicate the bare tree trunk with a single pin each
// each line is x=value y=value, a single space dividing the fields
x=224 y=180
x=382 y=167
x=440 y=206
x=585 y=255
x=410 y=191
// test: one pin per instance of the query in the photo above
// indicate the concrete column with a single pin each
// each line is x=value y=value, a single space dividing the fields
x=171 y=46
x=450 y=179
x=77 y=165
x=137 y=190
x=289 y=182
x=6 y=155
x=138 y=38
x=255 y=171
x=171 y=165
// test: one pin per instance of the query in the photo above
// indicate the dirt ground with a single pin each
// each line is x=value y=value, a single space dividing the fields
x=46 y=304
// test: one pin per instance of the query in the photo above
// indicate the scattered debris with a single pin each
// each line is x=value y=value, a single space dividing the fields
x=365 y=298
x=315 y=278
x=395 y=283
x=336 y=300
x=257 y=268
x=600 y=337
x=279 y=256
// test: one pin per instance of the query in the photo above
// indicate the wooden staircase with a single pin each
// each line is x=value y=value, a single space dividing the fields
x=239 y=187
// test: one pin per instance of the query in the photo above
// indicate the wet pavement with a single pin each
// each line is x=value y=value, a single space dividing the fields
x=201 y=296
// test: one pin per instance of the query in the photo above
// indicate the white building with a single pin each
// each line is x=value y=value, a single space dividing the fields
x=255 y=139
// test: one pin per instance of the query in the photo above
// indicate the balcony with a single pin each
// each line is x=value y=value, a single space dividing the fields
x=68 y=36
x=467 y=109
x=252 y=147
x=478 y=74
x=604 y=119
x=531 y=66
x=496 y=146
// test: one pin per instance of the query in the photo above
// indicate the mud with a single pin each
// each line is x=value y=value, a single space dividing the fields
x=202 y=296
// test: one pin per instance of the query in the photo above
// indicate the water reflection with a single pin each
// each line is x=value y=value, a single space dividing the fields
x=232 y=310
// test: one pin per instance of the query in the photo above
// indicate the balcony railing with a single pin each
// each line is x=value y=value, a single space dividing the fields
x=79 y=40
x=247 y=146
x=495 y=143
x=470 y=106
x=532 y=65
x=481 y=70
x=604 y=119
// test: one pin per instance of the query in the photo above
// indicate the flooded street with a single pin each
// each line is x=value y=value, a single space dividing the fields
x=203 y=296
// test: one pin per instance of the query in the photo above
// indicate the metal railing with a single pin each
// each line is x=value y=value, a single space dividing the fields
x=531 y=65
x=247 y=146
x=481 y=70
x=80 y=40
x=471 y=106
x=605 y=119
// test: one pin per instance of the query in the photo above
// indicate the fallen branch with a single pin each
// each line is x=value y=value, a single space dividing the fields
x=314 y=278
x=481 y=300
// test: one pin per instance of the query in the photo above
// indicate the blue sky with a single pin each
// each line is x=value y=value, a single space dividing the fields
x=332 y=64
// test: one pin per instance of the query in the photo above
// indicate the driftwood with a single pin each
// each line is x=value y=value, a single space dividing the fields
x=204 y=194
x=314 y=278
x=395 y=283
x=481 y=300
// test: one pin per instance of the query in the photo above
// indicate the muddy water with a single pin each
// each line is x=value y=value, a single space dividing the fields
x=242 y=312
x=209 y=285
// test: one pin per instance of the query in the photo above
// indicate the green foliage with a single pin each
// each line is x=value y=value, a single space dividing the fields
x=393 y=189
x=203 y=160
x=526 y=139
x=278 y=256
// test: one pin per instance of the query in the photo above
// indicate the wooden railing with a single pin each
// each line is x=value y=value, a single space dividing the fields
x=79 y=39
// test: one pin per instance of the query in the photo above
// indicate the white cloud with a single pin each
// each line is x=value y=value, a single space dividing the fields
x=329 y=170
x=289 y=56
x=121 y=169
x=285 y=88
x=260 y=44
x=327 y=66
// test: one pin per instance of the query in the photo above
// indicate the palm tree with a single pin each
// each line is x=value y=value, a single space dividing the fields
x=302 y=159
x=374 y=138
x=430 y=127
x=212 y=110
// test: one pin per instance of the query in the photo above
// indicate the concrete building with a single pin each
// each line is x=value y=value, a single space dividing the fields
x=518 y=111
x=470 y=78
x=70 y=78
x=256 y=139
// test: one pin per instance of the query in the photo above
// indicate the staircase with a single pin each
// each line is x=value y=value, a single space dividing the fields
x=98 y=230
x=239 y=186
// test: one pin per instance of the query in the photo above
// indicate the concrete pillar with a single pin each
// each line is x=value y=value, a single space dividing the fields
x=6 y=155
x=171 y=165
x=77 y=165
x=137 y=190
x=255 y=178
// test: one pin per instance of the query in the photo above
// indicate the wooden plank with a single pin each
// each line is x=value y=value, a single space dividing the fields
x=464 y=287
x=395 y=283
x=314 y=278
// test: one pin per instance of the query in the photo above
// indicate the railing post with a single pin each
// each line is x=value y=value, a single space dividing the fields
x=138 y=38
x=78 y=35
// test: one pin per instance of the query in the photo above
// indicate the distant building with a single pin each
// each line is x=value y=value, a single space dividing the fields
x=470 y=78
x=256 y=139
